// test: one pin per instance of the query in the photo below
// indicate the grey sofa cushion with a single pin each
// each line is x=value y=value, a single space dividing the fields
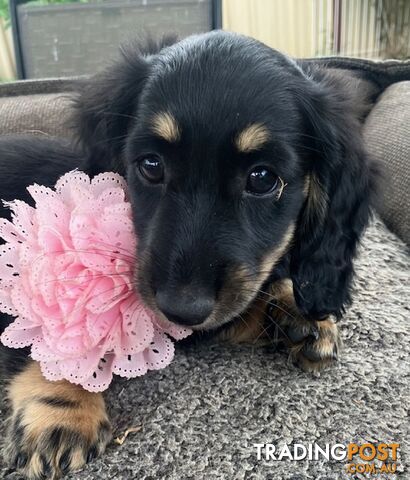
x=383 y=72
x=37 y=107
x=37 y=87
x=35 y=114
x=387 y=135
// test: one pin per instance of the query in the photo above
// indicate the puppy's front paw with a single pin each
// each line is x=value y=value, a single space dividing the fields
x=313 y=345
x=55 y=427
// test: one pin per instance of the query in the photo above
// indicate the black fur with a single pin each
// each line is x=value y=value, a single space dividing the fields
x=322 y=258
x=107 y=104
x=26 y=159
x=201 y=227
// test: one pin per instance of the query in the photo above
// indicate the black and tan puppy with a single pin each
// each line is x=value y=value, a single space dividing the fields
x=251 y=190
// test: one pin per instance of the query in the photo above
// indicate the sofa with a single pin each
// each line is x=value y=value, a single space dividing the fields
x=200 y=417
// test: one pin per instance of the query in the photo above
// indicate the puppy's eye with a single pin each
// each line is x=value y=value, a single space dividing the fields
x=152 y=168
x=261 y=181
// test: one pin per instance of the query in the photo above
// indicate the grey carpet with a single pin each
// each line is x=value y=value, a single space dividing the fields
x=201 y=416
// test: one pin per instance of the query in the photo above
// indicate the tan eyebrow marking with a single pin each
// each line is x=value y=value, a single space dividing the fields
x=252 y=137
x=165 y=125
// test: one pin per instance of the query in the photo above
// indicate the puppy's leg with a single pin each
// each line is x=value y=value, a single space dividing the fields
x=312 y=344
x=274 y=318
x=55 y=427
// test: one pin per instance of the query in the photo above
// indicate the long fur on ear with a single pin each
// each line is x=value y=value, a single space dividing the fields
x=339 y=187
x=107 y=102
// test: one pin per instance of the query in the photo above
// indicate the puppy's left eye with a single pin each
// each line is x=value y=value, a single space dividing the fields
x=261 y=181
x=152 y=168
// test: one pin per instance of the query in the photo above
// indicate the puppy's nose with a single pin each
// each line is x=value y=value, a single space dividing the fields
x=185 y=307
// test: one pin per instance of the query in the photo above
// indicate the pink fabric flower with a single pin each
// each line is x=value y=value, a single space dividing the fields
x=67 y=274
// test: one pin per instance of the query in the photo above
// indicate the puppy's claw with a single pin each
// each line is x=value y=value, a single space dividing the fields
x=64 y=462
x=92 y=454
x=20 y=461
x=314 y=333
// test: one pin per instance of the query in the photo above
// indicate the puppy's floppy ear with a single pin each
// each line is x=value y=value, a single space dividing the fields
x=338 y=188
x=107 y=103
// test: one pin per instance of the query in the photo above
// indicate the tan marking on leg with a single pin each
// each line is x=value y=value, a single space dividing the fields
x=287 y=326
x=314 y=355
x=283 y=292
x=325 y=349
x=247 y=329
x=30 y=385
x=53 y=418
x=328 y=336
x=165 y=125
x=252 y=138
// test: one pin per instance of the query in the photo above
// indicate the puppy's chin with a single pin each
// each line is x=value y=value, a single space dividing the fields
x=223 y=316
x=212 y=323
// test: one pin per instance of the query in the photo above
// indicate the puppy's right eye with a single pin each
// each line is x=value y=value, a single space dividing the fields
x=151 y=167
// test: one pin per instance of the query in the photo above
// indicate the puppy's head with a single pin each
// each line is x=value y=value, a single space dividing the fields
x=235 y=160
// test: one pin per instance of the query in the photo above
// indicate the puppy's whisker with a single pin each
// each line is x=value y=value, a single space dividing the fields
x=305 y=147
x=135 y=308
x=270 y=301
x=265 y=328
x=243 y=320
x=313 y=137
x=279 y=307
x=103 y=253
x=110 y=139
x=124 y=115
x=112 y=248
x=93 y=297
x=91 y=276
x=272 y=320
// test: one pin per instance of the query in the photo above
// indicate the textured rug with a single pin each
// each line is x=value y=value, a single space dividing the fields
x=201 y=416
